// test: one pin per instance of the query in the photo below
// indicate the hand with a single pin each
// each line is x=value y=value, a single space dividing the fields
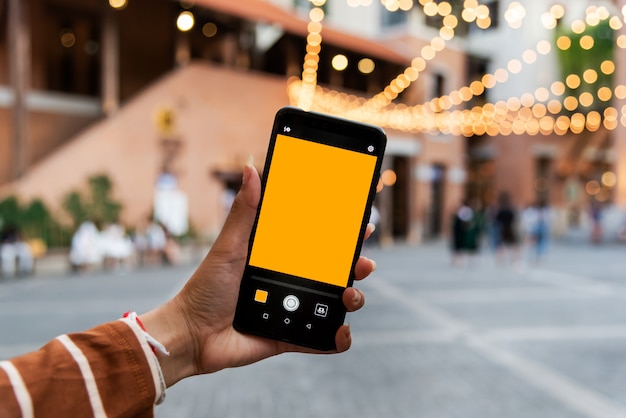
x=196 y=325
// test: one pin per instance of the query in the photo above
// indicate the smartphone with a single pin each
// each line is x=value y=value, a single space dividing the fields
x=318 y=185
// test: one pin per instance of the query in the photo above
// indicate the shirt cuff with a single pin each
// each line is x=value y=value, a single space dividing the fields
x=155 y=367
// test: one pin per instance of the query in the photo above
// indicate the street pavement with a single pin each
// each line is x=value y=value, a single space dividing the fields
x=487 y=340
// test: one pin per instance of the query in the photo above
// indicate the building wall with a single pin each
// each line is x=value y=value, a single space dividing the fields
x=4 y=70
x=47 y=131
x=501 y=44
x=221 y=116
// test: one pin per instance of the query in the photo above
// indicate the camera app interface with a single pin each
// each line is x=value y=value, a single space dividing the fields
x=312 y=210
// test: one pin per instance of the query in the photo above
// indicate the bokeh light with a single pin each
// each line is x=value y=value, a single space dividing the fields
x=209 y=29
x=339 y=62
x=67 y=38
x=609 y=179
x=185 y=21
x=389 y=177
x=532 y=113
x=118 y=4
x=367 y=66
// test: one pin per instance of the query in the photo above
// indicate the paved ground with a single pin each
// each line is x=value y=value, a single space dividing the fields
x=538 y=341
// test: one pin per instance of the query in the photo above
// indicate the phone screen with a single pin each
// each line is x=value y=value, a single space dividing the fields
x=312 y=210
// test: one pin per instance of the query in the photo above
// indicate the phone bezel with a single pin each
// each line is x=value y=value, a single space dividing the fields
x=331 y=131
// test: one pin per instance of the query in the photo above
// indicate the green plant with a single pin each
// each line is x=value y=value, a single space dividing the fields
x=97 y=204
x=33 y=220
x=576 y=59
x=10 y=212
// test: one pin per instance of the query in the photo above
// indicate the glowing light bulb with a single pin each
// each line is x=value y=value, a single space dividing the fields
x=339 y=62
x=185 y=21
x=563 y=42
x=118 y=4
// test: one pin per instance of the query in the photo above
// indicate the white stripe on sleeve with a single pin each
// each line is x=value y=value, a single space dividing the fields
x=155 y=367
x=19 y=388
x=85 y=369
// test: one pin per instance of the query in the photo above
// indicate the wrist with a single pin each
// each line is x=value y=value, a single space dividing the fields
x=167 y=325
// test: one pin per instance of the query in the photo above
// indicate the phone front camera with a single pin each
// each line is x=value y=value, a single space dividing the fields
x=370 y=148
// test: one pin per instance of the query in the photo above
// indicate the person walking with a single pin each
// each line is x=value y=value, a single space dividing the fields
x=536 y=221
x=506 y=222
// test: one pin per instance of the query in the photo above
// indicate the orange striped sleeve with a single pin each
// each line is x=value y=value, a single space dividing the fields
x=108 y=371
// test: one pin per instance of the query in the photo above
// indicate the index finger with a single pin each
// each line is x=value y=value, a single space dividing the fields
x=364 y=267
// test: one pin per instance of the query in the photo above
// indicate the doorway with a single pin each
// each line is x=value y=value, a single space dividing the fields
x=400 y=198
x=437 y=190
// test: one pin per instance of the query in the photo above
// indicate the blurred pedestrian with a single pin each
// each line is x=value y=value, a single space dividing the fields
x=491 y=226
x=117 y=246
x=476 y=227
x=86 y=250
x=596 y=221
x=140 y=242
x=536 y=220
x=16 y=257
x=506 y=224
x=467 y=227
x=460 y=224
x=621 y=233
x=157 y=242
x=374 y=220
x=172 y=251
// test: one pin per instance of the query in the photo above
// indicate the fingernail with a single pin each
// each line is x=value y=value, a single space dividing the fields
x=348 y=333
x=372 y=227
x=247 y=169
x=356 y=299
x=373 y=265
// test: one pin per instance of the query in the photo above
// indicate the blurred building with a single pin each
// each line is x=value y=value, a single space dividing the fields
x=161 y=94
x=121 y=88
x=560 y=89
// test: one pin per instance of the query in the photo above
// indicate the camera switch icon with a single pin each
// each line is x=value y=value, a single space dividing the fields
x=321 y=310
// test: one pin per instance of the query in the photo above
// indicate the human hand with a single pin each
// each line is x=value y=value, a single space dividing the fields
x=196 y=325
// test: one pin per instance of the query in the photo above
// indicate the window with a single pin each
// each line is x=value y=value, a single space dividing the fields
x=396 y=18
x=457 y=8
x=440 y=85
x=494 y=15
x=306 y=5
x=494 y=12
x=70 y=41
x=477 y=67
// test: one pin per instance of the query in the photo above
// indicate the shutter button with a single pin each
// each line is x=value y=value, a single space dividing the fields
x=291 y=303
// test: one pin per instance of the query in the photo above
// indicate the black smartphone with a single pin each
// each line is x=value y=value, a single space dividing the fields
x=318 y=185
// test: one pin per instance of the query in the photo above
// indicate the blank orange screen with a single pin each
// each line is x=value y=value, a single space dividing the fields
x=312 y=210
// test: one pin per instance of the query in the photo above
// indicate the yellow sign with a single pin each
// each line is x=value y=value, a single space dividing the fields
x=165 y=120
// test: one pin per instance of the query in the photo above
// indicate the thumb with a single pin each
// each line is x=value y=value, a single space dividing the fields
x=235 y=234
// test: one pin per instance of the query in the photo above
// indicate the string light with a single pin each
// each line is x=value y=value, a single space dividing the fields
x=532 y=114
